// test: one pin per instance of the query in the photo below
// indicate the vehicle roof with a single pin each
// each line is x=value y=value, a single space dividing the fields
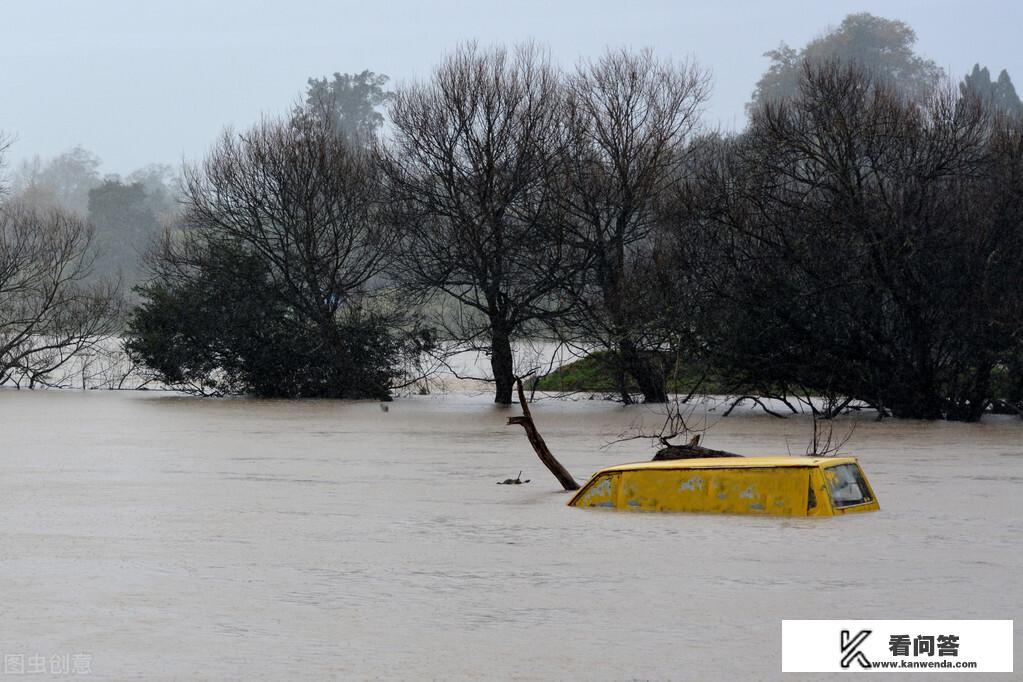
x=733 y=463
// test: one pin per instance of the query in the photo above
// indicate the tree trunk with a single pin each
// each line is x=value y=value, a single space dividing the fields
x=539 y=446
x=916 y=398
x=650 y=381
x=621 y=379
x=1014 y=394
x=501 y=365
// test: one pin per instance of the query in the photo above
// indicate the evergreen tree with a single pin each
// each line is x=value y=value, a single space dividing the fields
x=883 y=47
x=348 y=102
x=1000 y=94
x=1006 y=98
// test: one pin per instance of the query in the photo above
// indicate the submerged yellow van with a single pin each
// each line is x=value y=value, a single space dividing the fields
x=780 y=486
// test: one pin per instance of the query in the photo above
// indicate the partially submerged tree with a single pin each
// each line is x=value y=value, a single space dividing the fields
x=226 y=329
x=471 y=177
x=268 y=289
x=865 y=246
x=49 y=313
x=630 y=120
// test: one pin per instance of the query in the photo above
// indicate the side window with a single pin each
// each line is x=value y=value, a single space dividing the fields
x=846 y=485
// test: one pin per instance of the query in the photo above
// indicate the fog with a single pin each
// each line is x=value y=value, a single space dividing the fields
x=154 y=83
x=276 y=280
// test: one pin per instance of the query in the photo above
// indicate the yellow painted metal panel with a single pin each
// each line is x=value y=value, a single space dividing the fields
x=601 y=491
x=781 y=492
x=778 y=486
x=734 y=463
x=821 y=495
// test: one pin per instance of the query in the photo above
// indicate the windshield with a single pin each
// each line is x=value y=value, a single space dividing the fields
x=847 y=485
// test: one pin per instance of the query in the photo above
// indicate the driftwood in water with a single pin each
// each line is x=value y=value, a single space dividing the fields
x=539 y=446
x=691 y=450
x=513 y=481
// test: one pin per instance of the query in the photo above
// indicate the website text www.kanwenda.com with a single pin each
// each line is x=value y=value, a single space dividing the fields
x=923 y=664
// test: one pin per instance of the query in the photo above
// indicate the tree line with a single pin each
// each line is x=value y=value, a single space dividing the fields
x=859 y=242
x=70 y=247
x=509 y=200
x=861 y=246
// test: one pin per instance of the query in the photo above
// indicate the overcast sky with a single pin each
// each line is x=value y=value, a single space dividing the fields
x=142 y=82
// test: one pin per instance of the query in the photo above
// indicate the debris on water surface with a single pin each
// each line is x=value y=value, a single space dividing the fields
x=513 y=481
x=691 y=450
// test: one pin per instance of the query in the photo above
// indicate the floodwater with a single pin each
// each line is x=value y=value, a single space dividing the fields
x=175 y=538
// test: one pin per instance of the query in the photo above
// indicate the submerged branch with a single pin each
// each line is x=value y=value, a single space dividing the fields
x=691 y=450
x=539 y=446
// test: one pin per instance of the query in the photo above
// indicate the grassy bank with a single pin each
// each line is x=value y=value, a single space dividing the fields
x=595 y=374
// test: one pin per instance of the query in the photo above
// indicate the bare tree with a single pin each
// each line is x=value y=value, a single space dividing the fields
x=5 y=144
x=48 y=314
x=276 y=269
x=62 y=181
x=864 y=247
x=470 y=171
x=630 y=119
x=302 y=199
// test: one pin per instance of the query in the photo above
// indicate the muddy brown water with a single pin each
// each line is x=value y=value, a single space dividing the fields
x=175 y=538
